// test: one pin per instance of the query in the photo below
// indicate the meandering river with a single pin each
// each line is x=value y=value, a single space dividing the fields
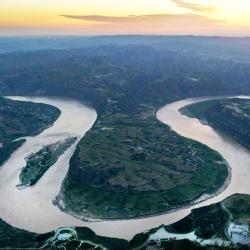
x=32 y=209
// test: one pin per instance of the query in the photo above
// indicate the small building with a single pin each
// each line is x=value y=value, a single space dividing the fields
x=64 y=236
x=239 y=233
x=239 y=228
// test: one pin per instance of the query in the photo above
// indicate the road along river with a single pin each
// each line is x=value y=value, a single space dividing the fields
x=32 y=208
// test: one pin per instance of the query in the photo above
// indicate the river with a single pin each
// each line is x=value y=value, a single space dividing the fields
x=32 y=209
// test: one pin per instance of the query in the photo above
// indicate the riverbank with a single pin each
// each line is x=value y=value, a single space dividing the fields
x=19 y=120
x=231 y=116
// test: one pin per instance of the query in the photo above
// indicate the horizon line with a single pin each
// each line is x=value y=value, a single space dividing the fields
x=121 y=35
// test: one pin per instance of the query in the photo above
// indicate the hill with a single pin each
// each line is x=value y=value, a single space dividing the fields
x=230 y=116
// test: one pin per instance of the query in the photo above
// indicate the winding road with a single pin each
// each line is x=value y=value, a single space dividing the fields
x=32 y=209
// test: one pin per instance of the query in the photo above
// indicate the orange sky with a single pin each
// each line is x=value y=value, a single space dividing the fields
x=92 y=17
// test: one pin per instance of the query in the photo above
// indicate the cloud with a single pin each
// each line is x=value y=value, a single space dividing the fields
x=160 y=19
x=193 y=6
x=183 y=24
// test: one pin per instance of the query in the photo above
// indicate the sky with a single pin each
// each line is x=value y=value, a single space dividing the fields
x=109 y=17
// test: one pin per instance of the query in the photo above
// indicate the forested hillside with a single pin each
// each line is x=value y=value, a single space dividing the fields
x=230 y=116
x=20 y=119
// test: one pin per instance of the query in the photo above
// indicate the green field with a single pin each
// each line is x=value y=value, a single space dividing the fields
x=132 y=165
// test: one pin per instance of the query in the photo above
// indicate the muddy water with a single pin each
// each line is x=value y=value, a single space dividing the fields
x=32 y=208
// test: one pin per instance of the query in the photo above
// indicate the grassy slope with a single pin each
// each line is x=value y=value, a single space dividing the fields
x=230 y=116
x=239 y=206
x=19 y=119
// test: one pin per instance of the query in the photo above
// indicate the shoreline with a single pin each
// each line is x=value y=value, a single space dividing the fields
x=170 y=211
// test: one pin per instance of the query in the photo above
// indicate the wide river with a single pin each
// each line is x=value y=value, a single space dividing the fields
x=32 y=209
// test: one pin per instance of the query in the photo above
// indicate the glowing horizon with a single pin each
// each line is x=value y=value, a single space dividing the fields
x=98 y=17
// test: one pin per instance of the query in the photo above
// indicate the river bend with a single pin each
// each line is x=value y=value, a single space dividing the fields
x=32 y=209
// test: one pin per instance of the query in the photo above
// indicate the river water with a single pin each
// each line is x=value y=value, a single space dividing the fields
x=32 y=209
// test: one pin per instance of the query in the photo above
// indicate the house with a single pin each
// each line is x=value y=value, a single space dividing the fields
x=64 y=236
x=239 y=229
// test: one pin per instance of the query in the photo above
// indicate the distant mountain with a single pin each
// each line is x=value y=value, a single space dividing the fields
x=216 y=47
x=130 y=74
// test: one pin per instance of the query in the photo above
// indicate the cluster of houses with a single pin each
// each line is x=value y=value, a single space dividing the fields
x=239 y=232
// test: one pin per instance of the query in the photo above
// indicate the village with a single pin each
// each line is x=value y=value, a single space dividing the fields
x=239 y=232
